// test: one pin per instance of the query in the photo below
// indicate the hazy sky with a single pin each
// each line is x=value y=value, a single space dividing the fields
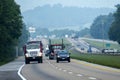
x=30 y=4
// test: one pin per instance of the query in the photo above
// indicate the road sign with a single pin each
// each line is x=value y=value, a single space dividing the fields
x=108 y=44
x=32 y=30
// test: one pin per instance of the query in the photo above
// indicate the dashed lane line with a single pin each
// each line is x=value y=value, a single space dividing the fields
x=70 y=72
x=80 y=75
x=92 y=78
x=65 y=70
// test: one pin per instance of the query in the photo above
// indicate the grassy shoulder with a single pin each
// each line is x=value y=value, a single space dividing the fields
x=99 y=44
x=102 y=59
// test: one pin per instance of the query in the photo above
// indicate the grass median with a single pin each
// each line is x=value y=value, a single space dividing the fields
x=102 y=59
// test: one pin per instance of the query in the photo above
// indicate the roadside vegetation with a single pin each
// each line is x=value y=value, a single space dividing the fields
x=12 y=30
x=102 y=59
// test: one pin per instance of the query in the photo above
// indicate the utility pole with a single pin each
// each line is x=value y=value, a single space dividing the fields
x=16 y=48
x=103 y=33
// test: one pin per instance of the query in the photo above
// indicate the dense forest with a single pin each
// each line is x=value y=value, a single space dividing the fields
x=11 y=27
x=61 y=32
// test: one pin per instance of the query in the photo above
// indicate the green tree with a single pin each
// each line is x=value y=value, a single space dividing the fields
x=101 y=25
x=23 y=39
x=114 y=33
x=10 y=28
x=83 y=32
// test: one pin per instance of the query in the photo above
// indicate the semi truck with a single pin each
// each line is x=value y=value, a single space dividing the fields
x=54 y=48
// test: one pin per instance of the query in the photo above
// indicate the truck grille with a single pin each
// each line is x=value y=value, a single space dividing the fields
x=33 y=53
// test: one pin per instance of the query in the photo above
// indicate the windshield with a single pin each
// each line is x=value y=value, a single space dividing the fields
x=62 y=53
x=57 y=47
x=33 y=46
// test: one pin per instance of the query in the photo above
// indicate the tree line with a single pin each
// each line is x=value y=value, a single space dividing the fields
x=11 y=26
x=61 y=32
x=107 y=26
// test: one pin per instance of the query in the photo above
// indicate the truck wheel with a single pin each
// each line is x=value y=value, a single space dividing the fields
x=40 y=60
x=27 y=61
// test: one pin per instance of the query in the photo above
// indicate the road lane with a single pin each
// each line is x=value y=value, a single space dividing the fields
x=96 y=71
x=79 y=44
x=45 y=71
x=76 y=70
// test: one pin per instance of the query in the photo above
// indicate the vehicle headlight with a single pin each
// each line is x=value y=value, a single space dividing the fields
x=27 y=55
x=40 y=54
x=58 y=56
x=68 y=56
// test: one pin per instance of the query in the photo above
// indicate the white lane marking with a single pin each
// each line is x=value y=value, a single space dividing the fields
x=50 y=64
x=79 y=75
x=56 y=67
x=20 y=73
x=70 y=72
x=64 y=70
x=92 y=78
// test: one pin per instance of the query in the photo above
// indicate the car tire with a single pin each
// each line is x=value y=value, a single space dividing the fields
x=69 y=60
x=57 y=61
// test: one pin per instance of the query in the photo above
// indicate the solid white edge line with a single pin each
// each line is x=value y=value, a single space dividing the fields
x=20 y=73
x=92 y=78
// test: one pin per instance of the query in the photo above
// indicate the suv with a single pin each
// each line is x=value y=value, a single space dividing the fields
x=63 y=55
x=33 y=52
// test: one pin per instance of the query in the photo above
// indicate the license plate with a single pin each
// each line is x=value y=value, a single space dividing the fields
x=33 y=57
x=63 y=58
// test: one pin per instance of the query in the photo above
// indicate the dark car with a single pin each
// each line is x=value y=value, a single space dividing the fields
x=63 y=55
x=47 y=52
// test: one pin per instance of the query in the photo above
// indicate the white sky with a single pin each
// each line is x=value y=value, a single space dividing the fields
x=30 y=4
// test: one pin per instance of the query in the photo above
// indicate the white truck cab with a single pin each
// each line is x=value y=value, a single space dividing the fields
x=33 y=52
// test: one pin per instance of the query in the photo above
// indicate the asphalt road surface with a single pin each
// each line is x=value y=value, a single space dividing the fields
x=75 y=70
x=10 y=71
x=50 y=70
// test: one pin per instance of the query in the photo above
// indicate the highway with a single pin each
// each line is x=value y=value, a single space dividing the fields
x=79 y=44
x=75 y=70
x=50 y=70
